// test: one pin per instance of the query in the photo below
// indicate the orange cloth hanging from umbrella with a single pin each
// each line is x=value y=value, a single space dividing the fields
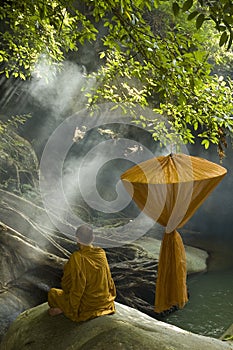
x=169 y=189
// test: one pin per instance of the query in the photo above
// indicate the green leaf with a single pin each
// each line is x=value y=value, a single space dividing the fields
x=228 y=19
x=192 y=15
x=223 y=39
x=228 y=337
x=102 y=55
x=205 y=143
x=195 y=125
x=230 y=41
x=222 y=28
x=156 y=3
x=187 y=5
x=175 y=8
x=199 y=21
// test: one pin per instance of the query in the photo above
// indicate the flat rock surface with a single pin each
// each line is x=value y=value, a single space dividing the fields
x=34 y=329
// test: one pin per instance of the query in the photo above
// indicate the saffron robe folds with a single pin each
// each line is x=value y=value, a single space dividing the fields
x=88 y=289
x=169 y=189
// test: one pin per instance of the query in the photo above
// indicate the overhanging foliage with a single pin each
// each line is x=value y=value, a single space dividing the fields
x=145 y=61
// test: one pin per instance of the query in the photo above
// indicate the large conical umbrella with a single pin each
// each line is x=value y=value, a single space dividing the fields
x=169 y=189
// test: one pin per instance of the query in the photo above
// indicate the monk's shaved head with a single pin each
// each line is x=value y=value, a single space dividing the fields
x=84 y=234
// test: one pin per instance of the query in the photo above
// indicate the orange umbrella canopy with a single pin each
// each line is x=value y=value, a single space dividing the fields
x=169 y=189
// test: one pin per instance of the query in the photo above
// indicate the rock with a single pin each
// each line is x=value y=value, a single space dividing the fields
x=228 y=334
x=18 y=163
x=196 y=258
x=127 y=329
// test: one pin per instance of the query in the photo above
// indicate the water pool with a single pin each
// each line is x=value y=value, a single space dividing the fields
x=210 y=308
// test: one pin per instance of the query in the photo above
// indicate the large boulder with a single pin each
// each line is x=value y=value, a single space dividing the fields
x=127 y=329
x=196 y=258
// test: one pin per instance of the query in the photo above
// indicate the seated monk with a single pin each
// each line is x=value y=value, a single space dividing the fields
x=88 y=289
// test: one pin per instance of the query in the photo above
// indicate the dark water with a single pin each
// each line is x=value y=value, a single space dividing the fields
x=210 y=308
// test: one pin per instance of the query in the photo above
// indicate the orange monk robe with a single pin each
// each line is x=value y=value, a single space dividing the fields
x=88 y=289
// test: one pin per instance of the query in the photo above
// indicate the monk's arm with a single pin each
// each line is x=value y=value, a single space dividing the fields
x=66 y=281
x=111 y=284
x=78 y=274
